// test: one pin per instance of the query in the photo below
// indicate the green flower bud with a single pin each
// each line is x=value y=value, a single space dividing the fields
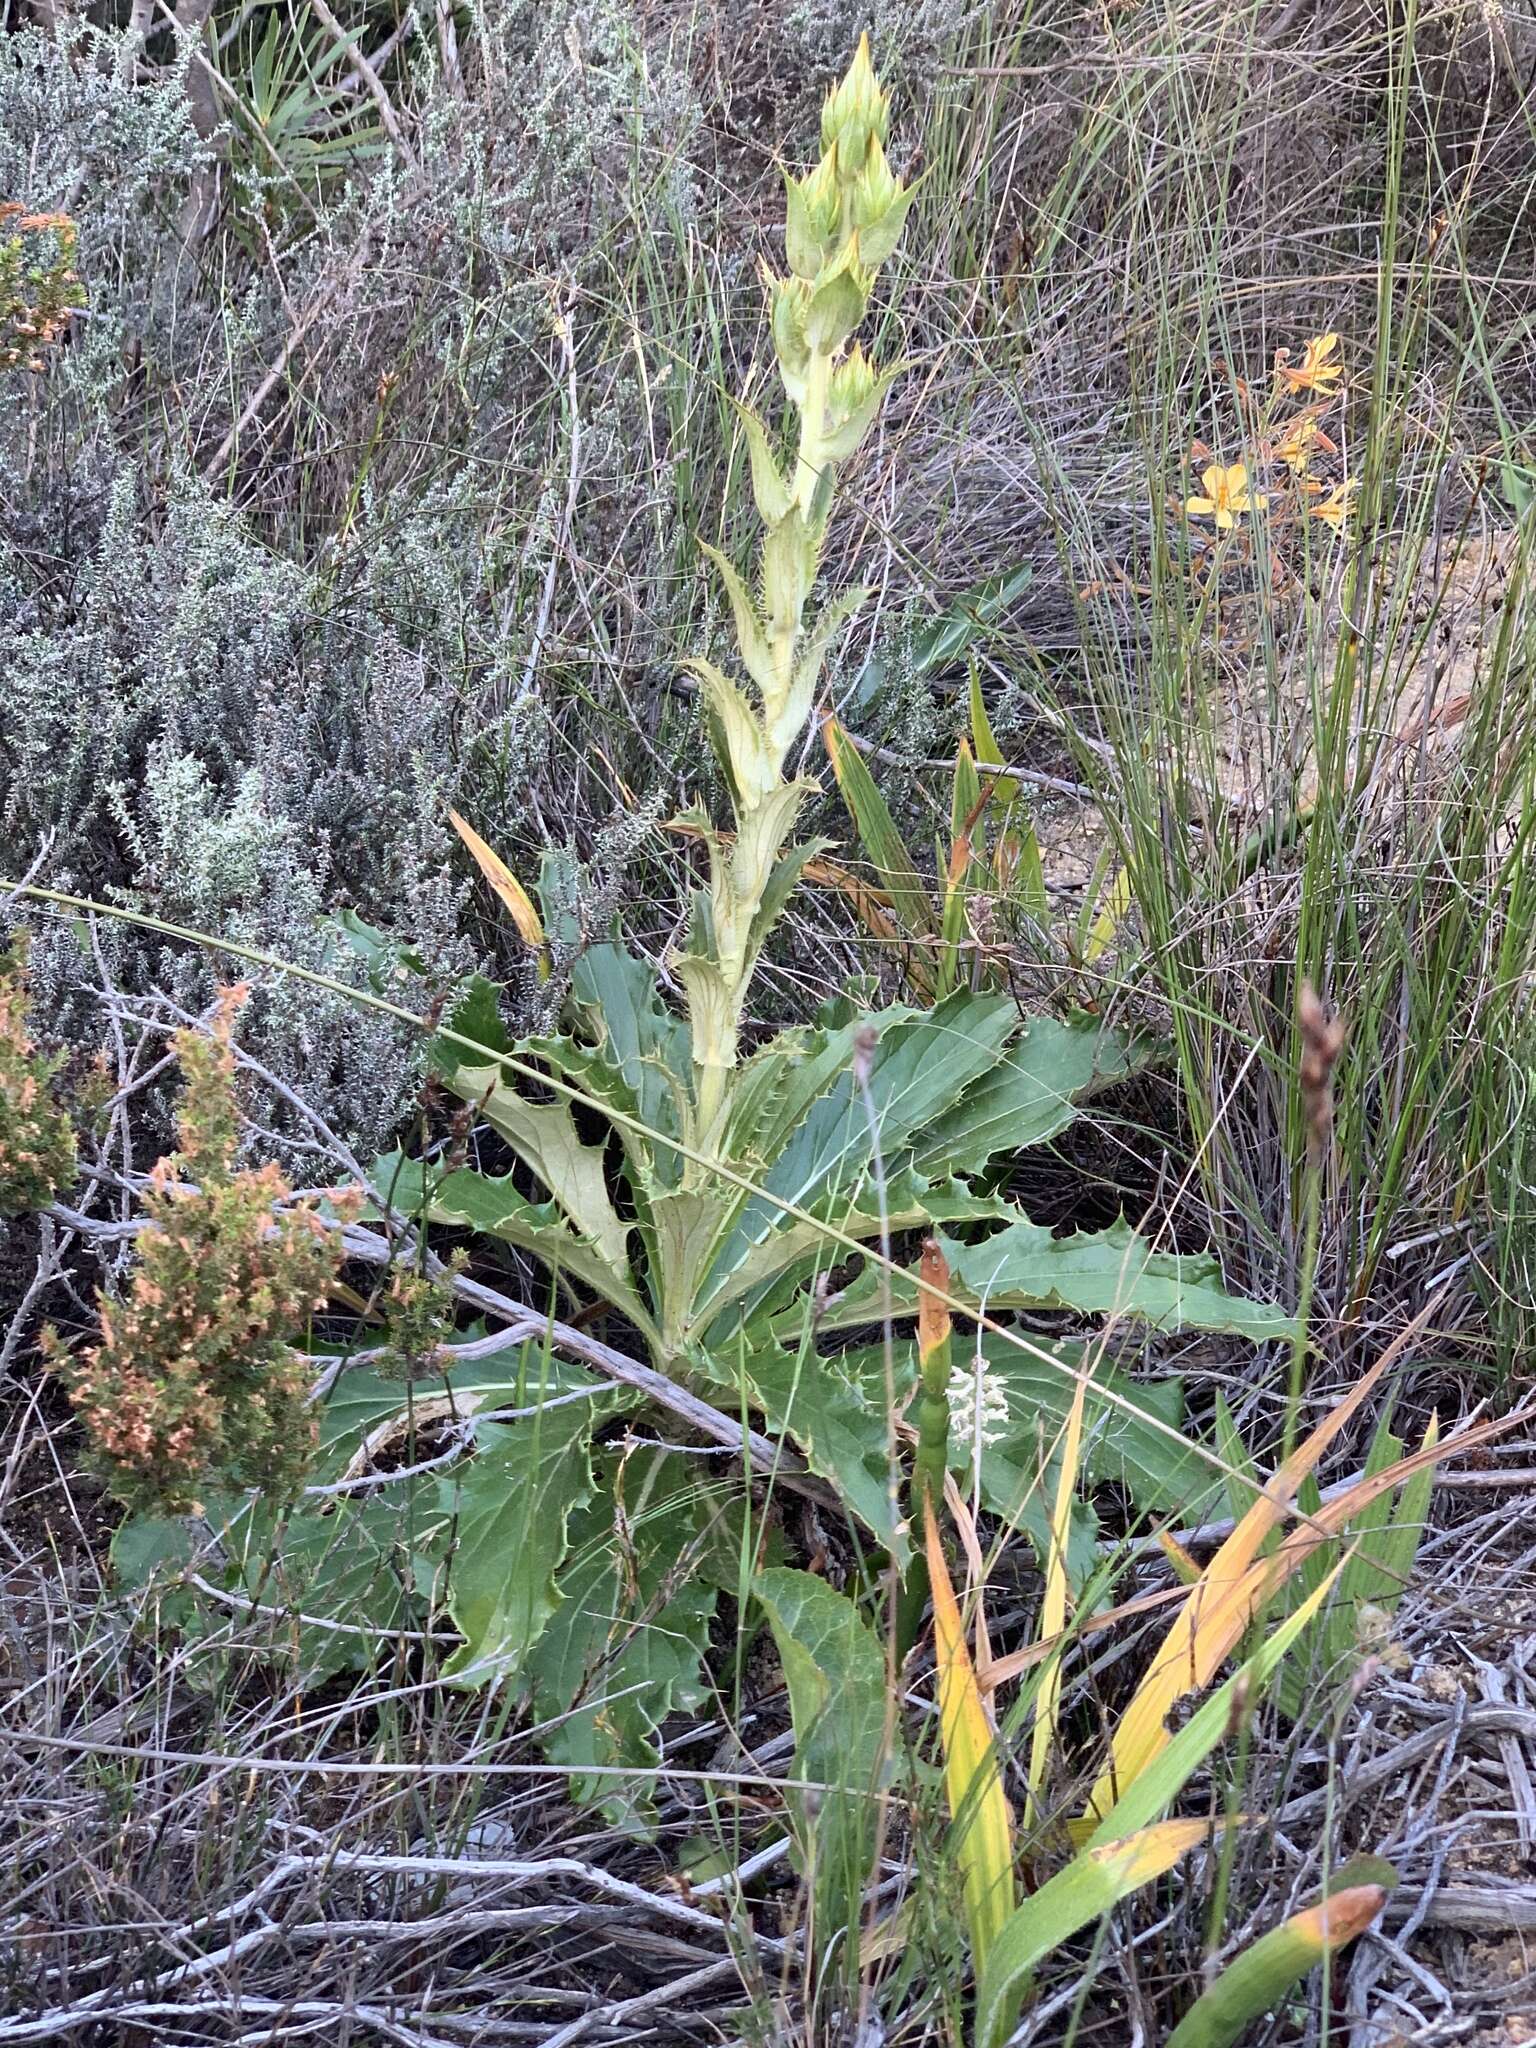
x=877 y=189
x=813 y=216
x=789 y=299
x=855 y=111
x=853 y=399
x=853 y=382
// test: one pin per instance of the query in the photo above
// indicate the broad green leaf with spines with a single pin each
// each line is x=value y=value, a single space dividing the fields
x=492 y=1204
x=838 y=1419
x=835 y=1671
x=513 y=1507
x=1031 y=1095
x=766 y=1274
x=751 y=637
x=922 y=1061
x=768 y=486
x=627 y=1645
x=1112 y=1272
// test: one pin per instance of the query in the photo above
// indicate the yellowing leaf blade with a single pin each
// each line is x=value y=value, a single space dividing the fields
x=1222 y=1604
x=1053 y=1606
x=1093 y=1883
x=972 y=1779
x=509 y=890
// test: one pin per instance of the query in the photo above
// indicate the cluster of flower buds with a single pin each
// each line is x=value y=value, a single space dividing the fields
x=193 y=1386
x=843 y=219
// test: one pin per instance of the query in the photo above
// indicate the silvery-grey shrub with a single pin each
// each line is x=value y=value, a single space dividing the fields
x=242 y=695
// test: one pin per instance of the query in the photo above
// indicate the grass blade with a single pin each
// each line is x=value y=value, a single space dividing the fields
x=1053 y=1606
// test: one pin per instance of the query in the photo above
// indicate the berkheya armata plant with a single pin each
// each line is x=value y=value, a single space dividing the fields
x=684 y=1185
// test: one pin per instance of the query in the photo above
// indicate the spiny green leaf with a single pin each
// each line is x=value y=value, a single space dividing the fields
x=750 y=635
x=768 y=485
x=839 y=1419
x=617 y=998
x=512 y=1508
x=466 y=1200
x=1031 y=1095
x=763 y=1277
x=922 y=1062
x=752 y=770
x=1119 y=1447
x=626 y=1646
x=818 y=636
x=1095 y=1272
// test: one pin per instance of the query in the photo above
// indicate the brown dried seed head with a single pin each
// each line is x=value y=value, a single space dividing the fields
x=1322 y=1041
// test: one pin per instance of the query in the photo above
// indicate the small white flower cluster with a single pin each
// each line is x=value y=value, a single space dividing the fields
x=978 y=1407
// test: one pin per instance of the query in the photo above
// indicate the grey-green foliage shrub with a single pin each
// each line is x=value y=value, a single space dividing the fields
x=238 y=719
x=906 y=38
x=81 y=133
x=188 y=735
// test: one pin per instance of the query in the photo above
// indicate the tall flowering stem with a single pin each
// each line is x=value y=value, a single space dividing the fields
x=934 y=1367
x=843 y=219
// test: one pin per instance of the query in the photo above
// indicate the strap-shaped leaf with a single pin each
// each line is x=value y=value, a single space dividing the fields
x=1261 y=1976
x=973 y=1780
x=880 y=836
x=1092 y=1884
x=1154 y=1790
x=513 y=896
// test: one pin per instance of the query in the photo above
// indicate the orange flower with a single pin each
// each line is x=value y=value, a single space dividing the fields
x=1317 y=370
x=1226 y=495
x=1336 y=508
x=1295 y=447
